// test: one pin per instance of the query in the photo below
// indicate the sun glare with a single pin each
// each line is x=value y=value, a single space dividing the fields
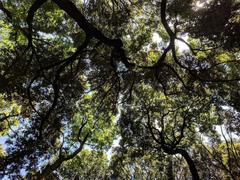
x=199 y=4
x=156 y=38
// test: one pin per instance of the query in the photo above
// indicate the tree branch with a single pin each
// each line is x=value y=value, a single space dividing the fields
x=5 y=11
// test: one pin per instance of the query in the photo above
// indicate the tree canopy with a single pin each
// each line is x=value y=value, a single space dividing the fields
x=119 y=89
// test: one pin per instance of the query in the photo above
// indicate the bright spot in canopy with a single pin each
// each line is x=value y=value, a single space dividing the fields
x=199 y=4
x=181 y=45
x=156 y=38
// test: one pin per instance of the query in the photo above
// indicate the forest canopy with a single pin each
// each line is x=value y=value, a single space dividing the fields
x=120 y=89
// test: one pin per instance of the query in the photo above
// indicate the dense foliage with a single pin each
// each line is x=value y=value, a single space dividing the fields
x=119 y=89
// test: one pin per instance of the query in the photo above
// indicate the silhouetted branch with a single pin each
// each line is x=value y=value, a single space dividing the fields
x=6 y=11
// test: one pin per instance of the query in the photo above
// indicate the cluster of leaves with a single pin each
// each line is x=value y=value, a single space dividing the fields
x=75 y=75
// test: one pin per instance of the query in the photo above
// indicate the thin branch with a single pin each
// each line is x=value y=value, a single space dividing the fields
x=6 y=11
x=7 y=117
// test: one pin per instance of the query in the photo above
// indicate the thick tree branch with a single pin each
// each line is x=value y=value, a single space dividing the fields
x=35 y=6
x=90 y=30
x=164 y=20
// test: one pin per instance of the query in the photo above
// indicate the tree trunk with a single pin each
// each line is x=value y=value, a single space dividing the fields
x=188 y=159
x=170 y=169
x=190 y=163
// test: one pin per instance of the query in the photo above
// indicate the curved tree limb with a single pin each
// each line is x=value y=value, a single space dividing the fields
x=35 y=6
x=89 y=29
